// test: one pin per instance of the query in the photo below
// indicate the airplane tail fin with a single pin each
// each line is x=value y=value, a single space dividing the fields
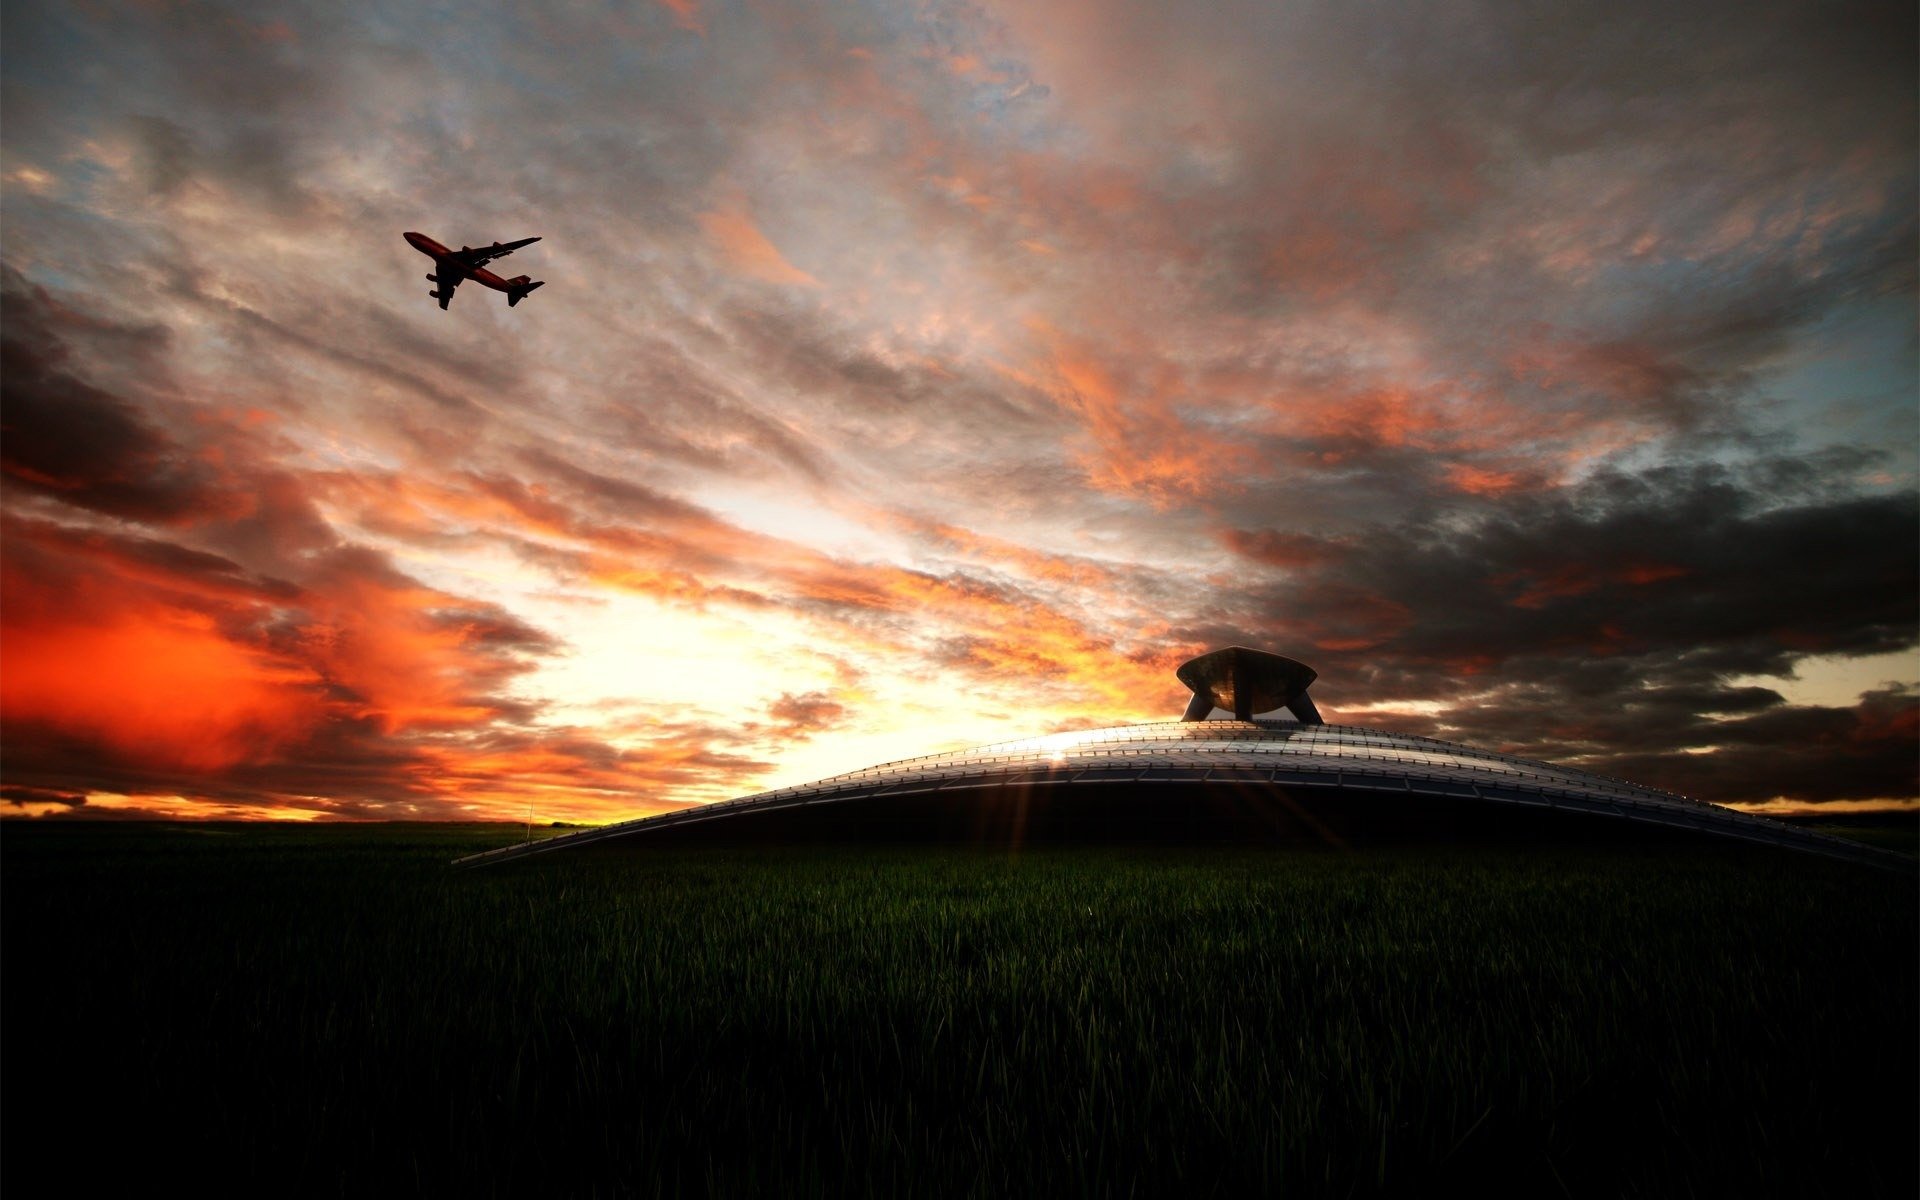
x=518 y=289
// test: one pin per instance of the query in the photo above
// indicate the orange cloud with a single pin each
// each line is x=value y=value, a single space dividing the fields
x=1481 y=481
x=1014 y=557
x=686 y=14
x=162 y=686
x=1141 y=445
x=131 y=662
x=1538 y=589
x=667 y=584
x=580 y=777
x=749 y=251
x=402 y=656
x=681 y=554
x=1389 y=416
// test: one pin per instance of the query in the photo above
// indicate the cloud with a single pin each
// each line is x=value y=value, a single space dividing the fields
x=65 y=437
x=1606 y=626
x=806 y=714
x=686 y=14
x=749 y=251
x=242 y=648
x=1808 y=753
x=23 y=796
x=143 y=677
x=1548 y=379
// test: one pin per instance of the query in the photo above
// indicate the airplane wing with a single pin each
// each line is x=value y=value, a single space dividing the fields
x=448 y=282
x=482 y=255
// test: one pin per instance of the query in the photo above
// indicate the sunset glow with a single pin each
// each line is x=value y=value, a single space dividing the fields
x=909 y=378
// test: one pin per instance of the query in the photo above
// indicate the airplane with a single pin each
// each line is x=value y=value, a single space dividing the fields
x=451 y=266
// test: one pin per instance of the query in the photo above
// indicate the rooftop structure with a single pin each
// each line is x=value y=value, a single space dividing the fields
x=1249 y=778
x=1244 y=682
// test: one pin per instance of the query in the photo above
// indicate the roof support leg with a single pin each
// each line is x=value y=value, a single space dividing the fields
x=1242 y=692
x=1302 y=708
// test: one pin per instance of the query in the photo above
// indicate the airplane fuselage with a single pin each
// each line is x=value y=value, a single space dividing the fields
x=445 y=261
x=450 y=267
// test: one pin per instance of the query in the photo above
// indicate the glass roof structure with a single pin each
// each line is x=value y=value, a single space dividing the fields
x=1289 y=757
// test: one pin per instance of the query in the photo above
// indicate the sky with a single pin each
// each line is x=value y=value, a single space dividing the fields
x=911 y=376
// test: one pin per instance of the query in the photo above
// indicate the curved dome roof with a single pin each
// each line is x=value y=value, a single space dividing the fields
x=1282 y=757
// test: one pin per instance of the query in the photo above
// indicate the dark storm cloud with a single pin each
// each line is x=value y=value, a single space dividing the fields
x=1805 y=752
x=26 y=795
x=64 y=436
x=1663 y=564
x=147 y=459
x=1606 y=624
x=1718 y=743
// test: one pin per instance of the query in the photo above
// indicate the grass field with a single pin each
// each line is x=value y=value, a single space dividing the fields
x=334 y=1011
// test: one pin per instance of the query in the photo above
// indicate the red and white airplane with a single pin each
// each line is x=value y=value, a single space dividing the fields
x=451 y=266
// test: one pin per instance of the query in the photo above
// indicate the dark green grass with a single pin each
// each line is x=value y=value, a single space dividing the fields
x=1898 y=831
x=334 y=1011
